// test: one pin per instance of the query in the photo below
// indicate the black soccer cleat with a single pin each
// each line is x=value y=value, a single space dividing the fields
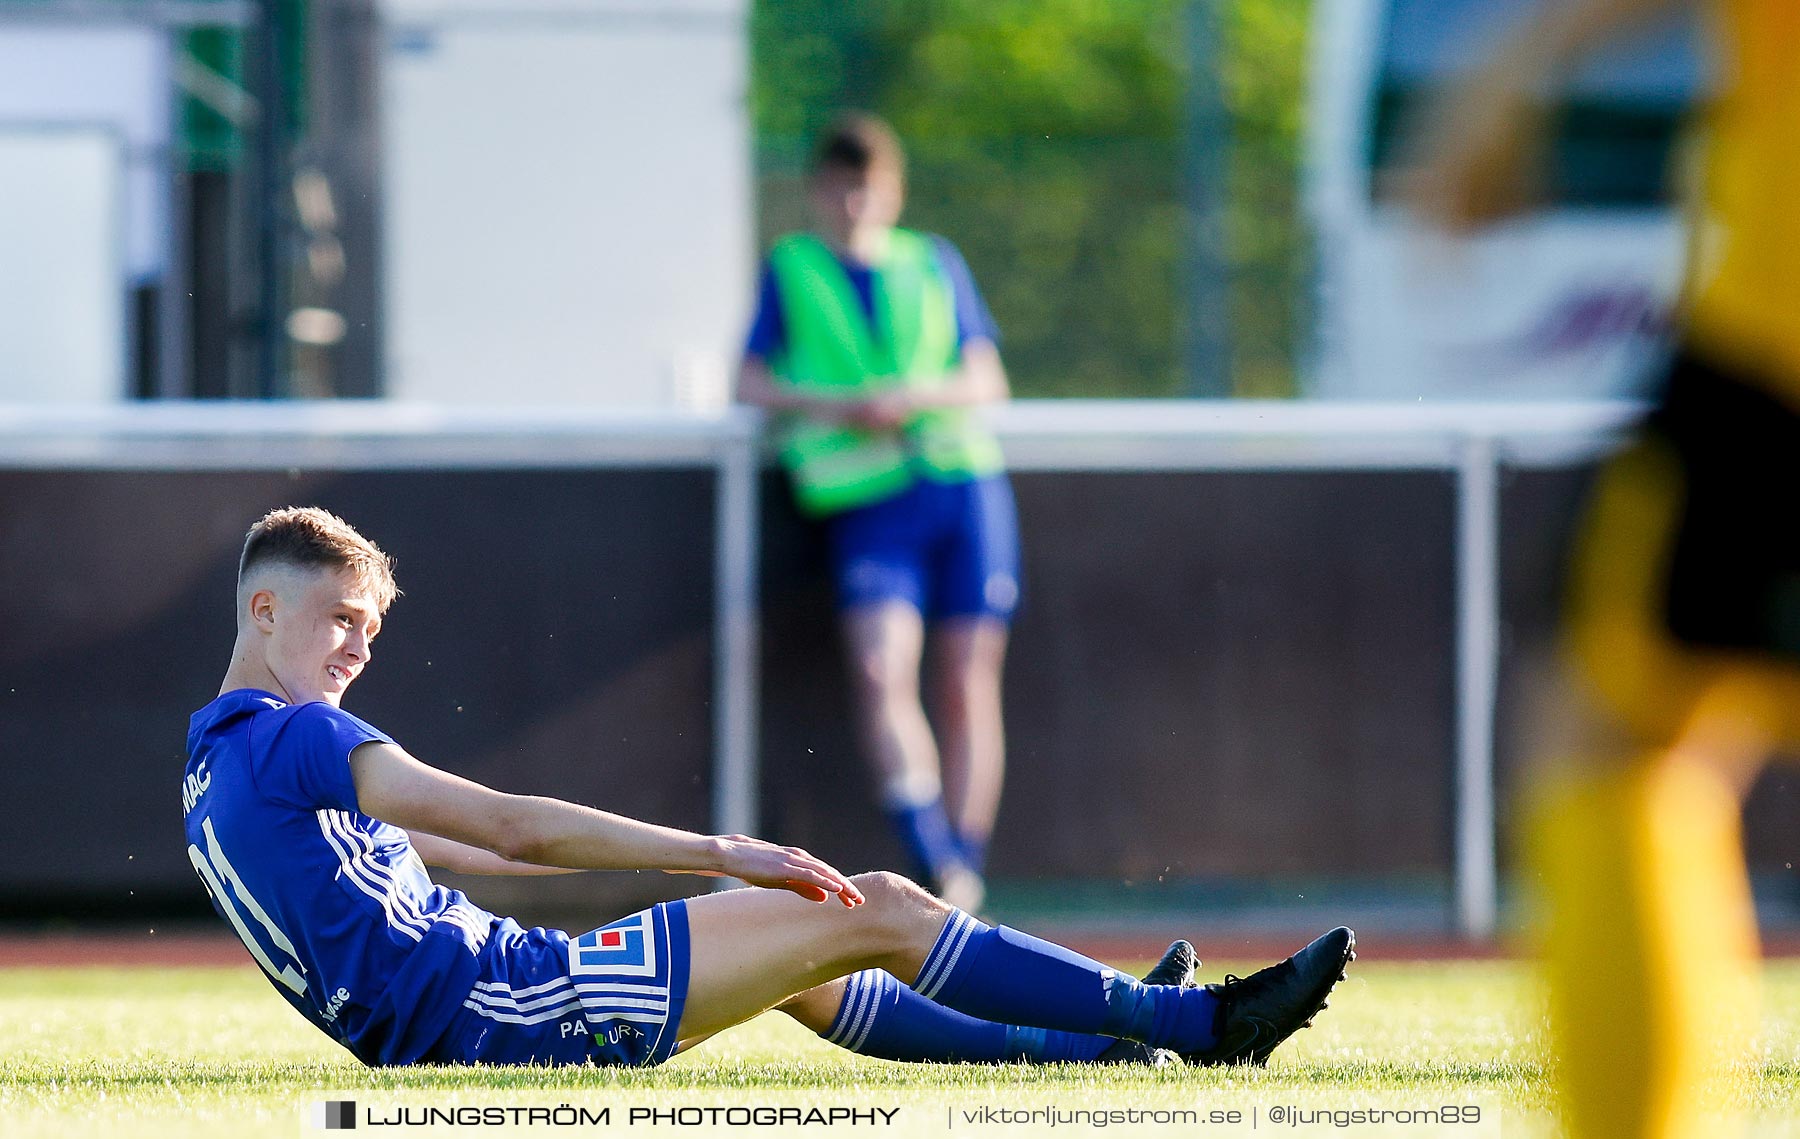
x=1176 y=968
x=1256 y=1013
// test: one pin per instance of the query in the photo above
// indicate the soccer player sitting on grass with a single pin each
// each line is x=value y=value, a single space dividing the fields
x=311 y=831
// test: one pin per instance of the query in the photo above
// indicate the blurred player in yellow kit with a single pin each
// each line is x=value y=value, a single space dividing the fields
x=1683 y=627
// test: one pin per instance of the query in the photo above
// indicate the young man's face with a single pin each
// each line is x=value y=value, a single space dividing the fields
x=319 y=624
x=845 y=200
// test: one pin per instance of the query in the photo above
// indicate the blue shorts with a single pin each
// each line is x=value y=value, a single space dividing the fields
x=948 y=549
x=611 y=996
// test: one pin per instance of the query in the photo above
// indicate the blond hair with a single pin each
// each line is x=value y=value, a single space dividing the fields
x=312 y=538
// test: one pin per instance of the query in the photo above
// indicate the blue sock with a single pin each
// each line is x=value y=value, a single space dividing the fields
x=974 y=852
x=997 y=973
x=924 y=830
x=883 y=1018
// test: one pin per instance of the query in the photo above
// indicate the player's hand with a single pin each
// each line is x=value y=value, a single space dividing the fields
x=763 y=863
x=1477 y=156
x=888 y=411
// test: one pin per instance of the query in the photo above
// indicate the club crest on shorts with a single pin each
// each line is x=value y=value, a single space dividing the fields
x=626 y=946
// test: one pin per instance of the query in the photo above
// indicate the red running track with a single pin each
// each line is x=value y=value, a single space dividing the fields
x=220 y=950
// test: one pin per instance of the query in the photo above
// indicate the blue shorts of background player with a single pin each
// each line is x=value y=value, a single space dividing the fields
x=948 y=549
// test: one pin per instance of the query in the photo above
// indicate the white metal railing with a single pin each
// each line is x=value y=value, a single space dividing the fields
x=1473 y=441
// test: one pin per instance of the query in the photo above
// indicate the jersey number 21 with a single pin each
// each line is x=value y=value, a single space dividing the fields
x=215 y=872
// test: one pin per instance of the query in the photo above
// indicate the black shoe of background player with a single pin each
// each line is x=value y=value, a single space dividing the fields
x=1258 y=1012
x=1176 y=968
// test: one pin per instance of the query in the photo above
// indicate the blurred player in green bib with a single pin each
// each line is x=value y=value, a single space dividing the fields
x=873 y=345
x=1683 y=628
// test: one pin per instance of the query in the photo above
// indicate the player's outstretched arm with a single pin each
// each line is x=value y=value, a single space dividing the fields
x=461 y=858
x=396 y=788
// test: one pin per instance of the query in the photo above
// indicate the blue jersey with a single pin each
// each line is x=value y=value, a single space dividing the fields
x=334 y=905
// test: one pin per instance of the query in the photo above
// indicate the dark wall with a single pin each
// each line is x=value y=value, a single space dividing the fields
x=1217 y=674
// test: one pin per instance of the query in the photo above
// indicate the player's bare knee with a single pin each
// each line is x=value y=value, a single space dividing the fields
x=900 y=911
x=882 y=681
x=885 y=888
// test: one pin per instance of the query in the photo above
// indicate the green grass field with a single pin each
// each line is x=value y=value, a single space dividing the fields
x=151 y=1052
